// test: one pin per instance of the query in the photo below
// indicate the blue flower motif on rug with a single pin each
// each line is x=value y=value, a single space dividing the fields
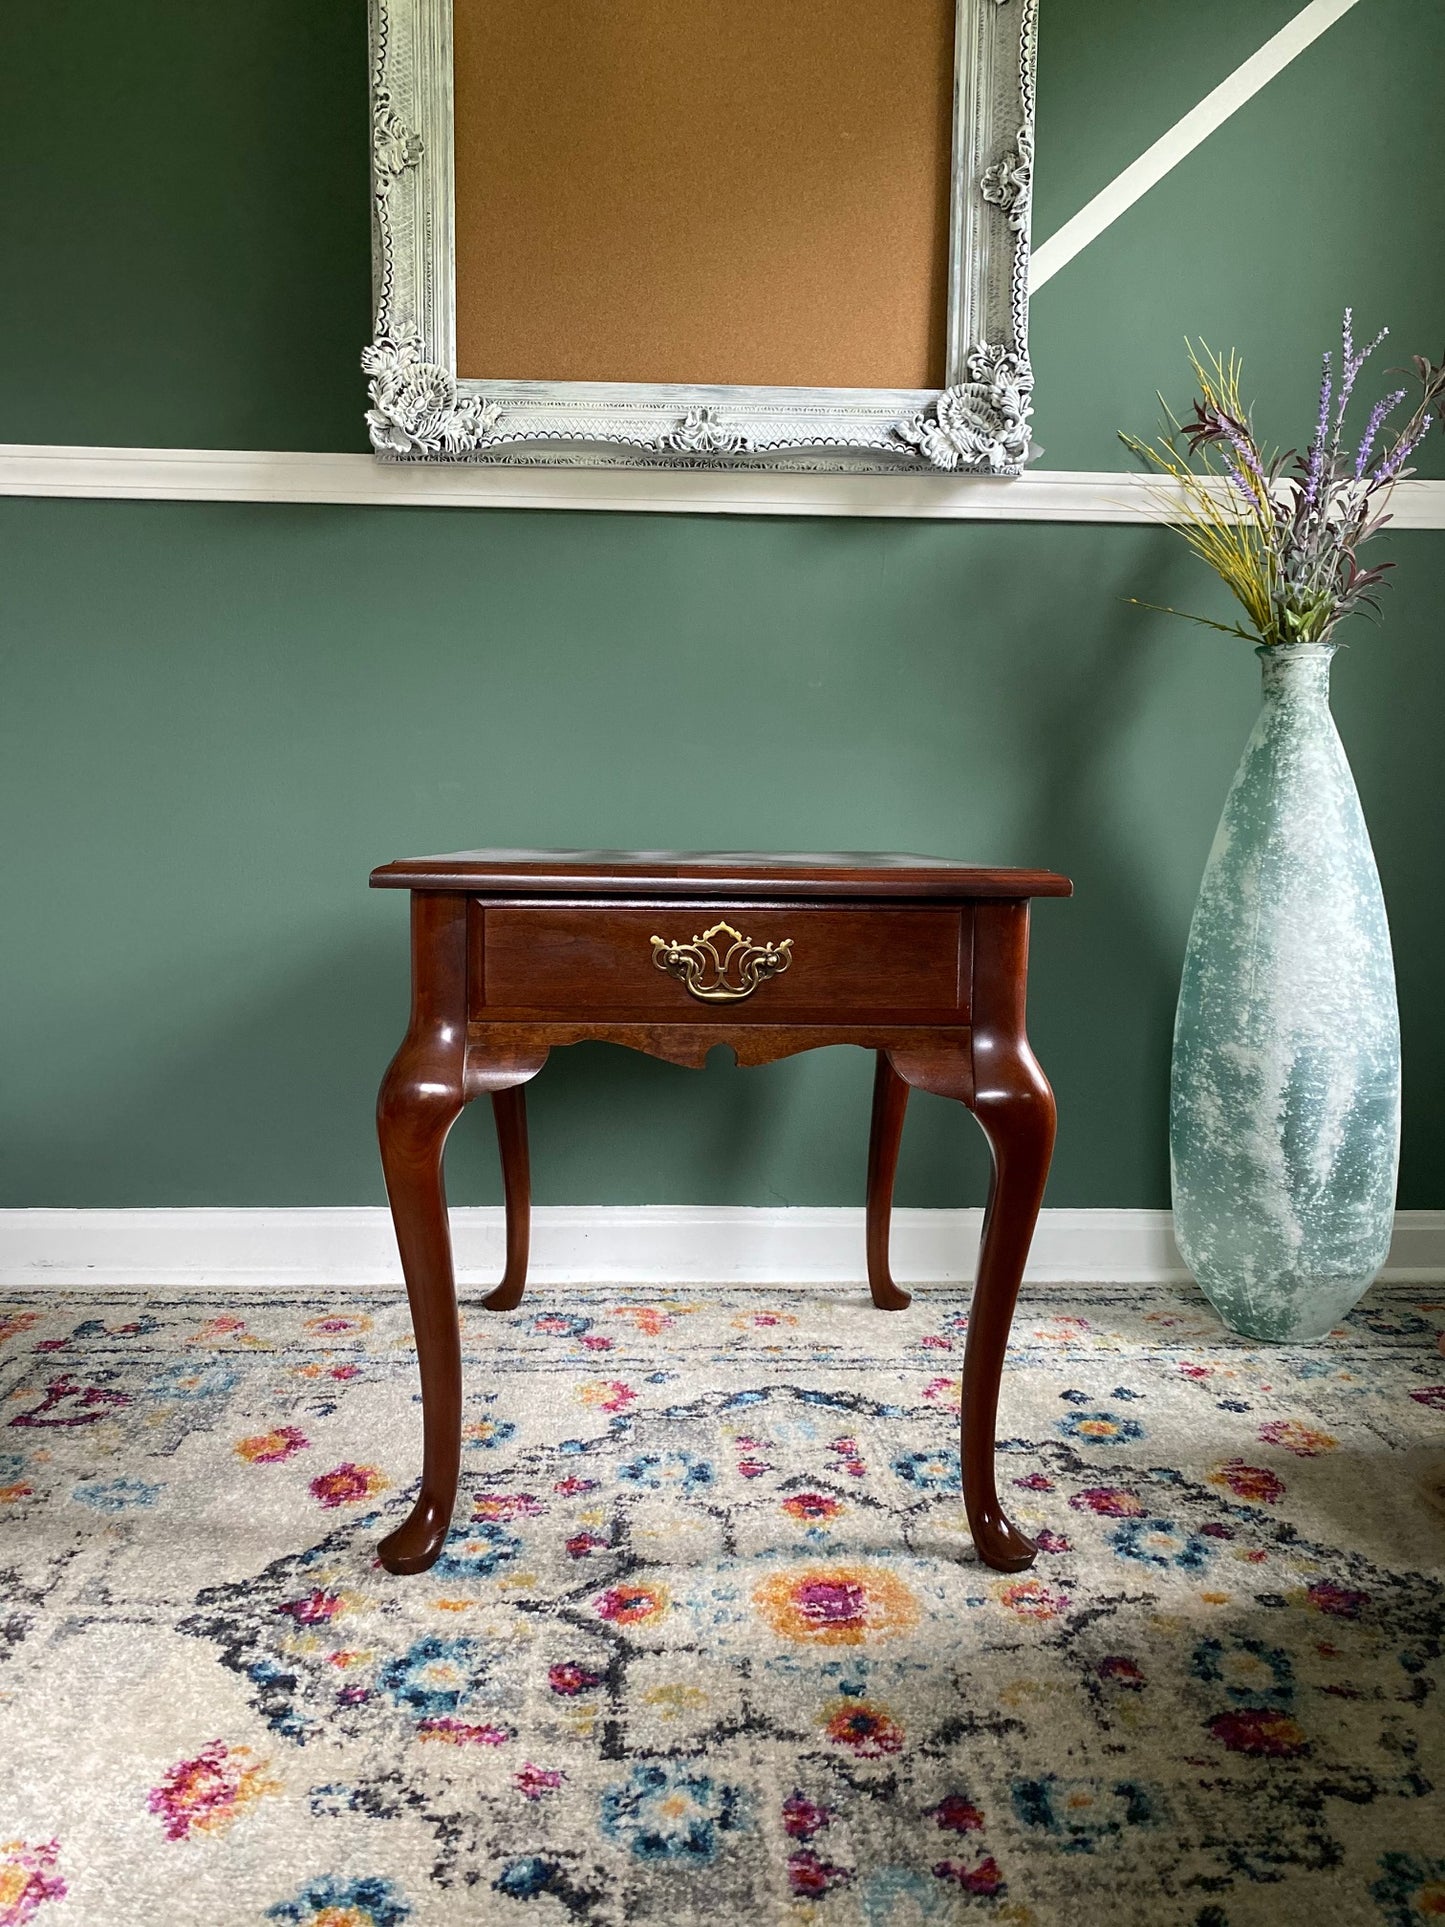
x=1078 y=1815
x=680 y=1471
x=117 y=1495
x=1100 y=1428
x=335 y=1902
x=477 y=1551
x=930 y=1471
x=435 y=1675
x=1160 y=1542
x=1410 y=1889
x=1250 y=1672
x=189 y=1379
x=669 y=1813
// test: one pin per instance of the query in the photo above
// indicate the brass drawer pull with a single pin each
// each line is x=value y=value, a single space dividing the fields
x=708 y=975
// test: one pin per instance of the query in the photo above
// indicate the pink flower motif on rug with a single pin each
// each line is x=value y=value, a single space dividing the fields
x=984 y=1879
x=849 y=1458
x=462 y=1732
x=501 y=1506
x=1302 y=1440
x=1116 y=1670
x=27 y=1880
x=607 y=1395
x=1110 y=1502
x=225 y=1325
x=533 y=1781
x=802 y=1818
x=1031 y=1599
x=810 y=1876
x=338 y=1325
x=208 y=1793
x=812 y=1505
x=316 y=1609
x=866 y=1730
x=651 y=1320
x=349 y=1484
x=1255 y=1483
x=1259 y=1732
x=582 y=1545
x=1340 y=1602
x=569 y=1679
x=955 y=1814
x=68 y=1404
x=274 y=1447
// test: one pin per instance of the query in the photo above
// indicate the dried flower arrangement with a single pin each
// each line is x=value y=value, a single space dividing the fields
x=1284 y=530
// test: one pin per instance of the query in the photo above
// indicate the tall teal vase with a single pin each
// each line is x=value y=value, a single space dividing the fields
x=1285 y=1095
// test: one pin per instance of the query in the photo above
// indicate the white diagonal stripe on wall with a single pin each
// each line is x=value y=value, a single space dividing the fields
x=1197 y=125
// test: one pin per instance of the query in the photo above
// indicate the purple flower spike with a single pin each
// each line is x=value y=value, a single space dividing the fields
x=1244 y=450
x=1317 y=446
x=1402 y=452
x=1351 y=364
x=1377 y=417
x=1239 y=482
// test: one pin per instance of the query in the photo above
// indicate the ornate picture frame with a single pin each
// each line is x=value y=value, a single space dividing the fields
x=421 y=411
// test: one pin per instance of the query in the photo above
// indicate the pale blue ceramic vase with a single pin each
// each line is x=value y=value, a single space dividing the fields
x=1285 y=1096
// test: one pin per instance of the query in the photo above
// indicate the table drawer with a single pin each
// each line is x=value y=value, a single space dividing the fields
x=689 y=963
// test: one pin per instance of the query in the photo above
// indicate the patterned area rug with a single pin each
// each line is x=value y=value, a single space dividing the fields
x=710 y=1643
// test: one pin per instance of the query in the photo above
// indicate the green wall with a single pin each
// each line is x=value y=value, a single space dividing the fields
x=216 y=718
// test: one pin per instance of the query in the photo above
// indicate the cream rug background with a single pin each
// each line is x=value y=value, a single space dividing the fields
x=710 y=1642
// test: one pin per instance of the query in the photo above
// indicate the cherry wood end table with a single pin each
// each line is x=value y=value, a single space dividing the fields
x=517 y=952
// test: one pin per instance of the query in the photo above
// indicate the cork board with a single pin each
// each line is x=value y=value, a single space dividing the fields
x=735 y=191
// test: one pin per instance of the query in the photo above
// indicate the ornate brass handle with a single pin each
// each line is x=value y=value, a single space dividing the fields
x=726 y=977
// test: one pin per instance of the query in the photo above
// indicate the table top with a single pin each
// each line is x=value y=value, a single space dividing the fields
x=692 y=873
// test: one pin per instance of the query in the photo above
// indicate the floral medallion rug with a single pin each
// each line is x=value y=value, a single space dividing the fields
x=710 y=1642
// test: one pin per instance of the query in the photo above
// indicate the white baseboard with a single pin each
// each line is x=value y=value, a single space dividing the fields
x=646 y=1244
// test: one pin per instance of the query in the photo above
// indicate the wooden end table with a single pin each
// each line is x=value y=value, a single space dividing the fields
x=515 y=952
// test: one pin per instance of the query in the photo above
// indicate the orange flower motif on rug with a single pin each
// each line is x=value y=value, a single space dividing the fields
x=837 y=1605
x=632 y=1605
x=274 y=1447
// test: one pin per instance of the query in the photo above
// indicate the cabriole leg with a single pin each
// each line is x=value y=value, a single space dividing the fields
x=1012 y=1100
x=890 y=1101
x=509 y=1107
x=413 y=1122
x=421 y=1097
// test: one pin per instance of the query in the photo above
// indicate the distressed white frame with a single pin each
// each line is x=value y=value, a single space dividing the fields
x=421 y=411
